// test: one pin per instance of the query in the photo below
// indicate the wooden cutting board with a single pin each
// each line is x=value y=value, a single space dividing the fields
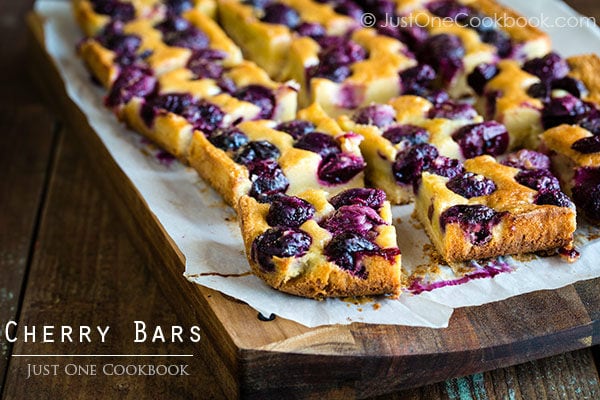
x=282 y=359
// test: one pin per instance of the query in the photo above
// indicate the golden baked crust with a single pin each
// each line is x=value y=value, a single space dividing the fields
x=574 y=169
x=101 y=61
x=374 y=79
x=323 y=14
x=533 y=41
x=88 y=20
x=380 y=153
x=527 y=41
x=92 y=22
x=566 y=161
x=162 y=56
x=299 y=166
x=519 y=112
x=173 y=132
x=586 y=68
x=404 y=7
x=476 y=51
x=265 y=44
x=169 y=131
x=168 y=63
x=229 y=179
x=268 y=44
x=526 y=227
x=313 y=275
x=561 y=138
x=531 y=231
x=285 y=55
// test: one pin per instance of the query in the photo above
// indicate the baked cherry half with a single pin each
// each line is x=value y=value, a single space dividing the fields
x=260 y=96
x=417 y=80
x=228 y=139
x=373 y=198
x=254 y=151
x=289 y=211
x=548 y=68
x=124 y=45
x=527 y=159
x=480 y=76
x=201 y=114
x=380 y=115
x=444 y=53
x=553 y=198
x=452 y=110
x=347 y=249
x=335 y=57
x=279 y=242
x=409 y=164
x=587 y=145
x=340 y=168
x=204 y=116
x=538 y=179
x=296 y=128
x=353 y=218
x=178 y=6
x=476 y=221
x=179 y=32
x=268 y=180
x=206 y=63
x=449 y=9
x=407 y=135
x=563 y=110
x=488 y=137
x=586 y=192
x=320 y=143
x=132 y=82
x=118 y=10
x=279 y=13
x=470 y=185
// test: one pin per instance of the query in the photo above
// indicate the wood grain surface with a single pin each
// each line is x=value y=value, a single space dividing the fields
x=26 y=145
x=586 y=7
x=85 y=269
x=22 y=188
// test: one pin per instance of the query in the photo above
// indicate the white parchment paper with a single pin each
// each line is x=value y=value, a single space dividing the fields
x=205 y=230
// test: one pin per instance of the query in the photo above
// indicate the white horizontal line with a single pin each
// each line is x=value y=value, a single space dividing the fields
x=103 y=355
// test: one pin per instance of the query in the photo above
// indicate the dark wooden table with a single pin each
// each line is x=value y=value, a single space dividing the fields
x=65 y=260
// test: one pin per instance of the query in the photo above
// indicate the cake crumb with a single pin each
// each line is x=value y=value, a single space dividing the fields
x=414 y=221
x=524 y=257
x=434 y=256
x=357 y=301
